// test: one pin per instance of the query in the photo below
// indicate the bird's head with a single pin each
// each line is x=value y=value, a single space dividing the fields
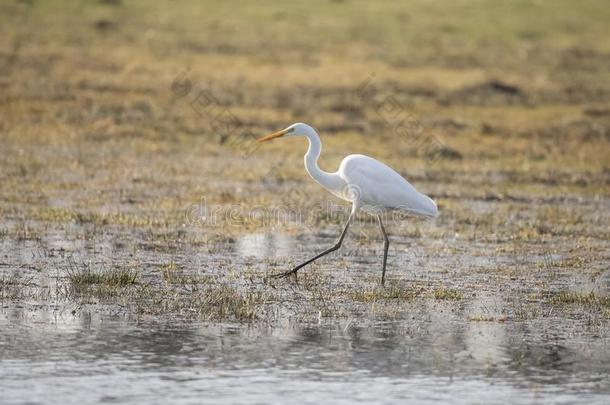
x=298 y=129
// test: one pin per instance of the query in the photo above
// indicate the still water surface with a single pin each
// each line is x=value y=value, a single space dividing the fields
x=60 y=358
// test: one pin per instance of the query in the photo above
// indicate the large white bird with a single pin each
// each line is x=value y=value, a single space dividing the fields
x=365 y=182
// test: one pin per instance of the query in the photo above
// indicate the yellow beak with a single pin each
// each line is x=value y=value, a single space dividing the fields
x=272 y=136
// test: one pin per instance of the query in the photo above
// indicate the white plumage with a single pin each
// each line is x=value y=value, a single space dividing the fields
x=365 y=182
x=379 y=188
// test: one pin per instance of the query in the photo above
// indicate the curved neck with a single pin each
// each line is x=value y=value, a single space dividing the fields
x=330 y=181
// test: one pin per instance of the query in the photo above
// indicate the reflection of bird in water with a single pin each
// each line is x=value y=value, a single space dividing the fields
x=365 y=182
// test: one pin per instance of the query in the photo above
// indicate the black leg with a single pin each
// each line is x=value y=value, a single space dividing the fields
x=327 y=251
x=386 y=245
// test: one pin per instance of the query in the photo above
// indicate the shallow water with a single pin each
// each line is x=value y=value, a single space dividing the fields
x=55 y=357
x=436 y=352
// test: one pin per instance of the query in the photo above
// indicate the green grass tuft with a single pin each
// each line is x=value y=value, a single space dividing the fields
x=447 y=294
x=112 y=278
x=588 y=300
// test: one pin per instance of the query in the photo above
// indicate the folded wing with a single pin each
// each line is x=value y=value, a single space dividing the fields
x=378 y=185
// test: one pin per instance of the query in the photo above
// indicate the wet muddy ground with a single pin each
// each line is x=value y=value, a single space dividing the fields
x=181 y=274
x=136 y=209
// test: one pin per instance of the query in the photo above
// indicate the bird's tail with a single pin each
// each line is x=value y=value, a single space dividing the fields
x=425 y=207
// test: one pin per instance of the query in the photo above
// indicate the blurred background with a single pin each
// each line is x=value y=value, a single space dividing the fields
x=102 y=111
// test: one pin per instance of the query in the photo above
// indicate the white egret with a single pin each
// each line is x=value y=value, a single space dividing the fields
x=365 y=182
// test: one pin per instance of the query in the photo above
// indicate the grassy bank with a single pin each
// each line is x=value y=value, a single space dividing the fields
x=124 y=125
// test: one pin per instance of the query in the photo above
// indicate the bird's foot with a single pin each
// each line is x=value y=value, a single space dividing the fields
x=285 y=274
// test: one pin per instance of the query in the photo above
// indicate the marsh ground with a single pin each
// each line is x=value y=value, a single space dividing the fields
x=130 y=184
